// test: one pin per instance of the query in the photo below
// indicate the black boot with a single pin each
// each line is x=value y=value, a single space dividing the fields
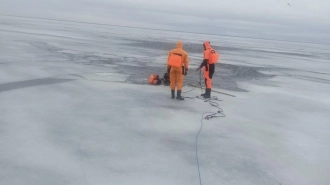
x=178 y=95
x=172 y=92
x=207 y=93
x=203 y=94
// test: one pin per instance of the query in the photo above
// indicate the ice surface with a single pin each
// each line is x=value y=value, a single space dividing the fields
x=75 y=109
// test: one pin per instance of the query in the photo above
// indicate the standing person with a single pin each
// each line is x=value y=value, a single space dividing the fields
x=177 y=66
x=210 y=58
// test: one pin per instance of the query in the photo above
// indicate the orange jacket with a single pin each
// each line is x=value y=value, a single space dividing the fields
x=178 y=57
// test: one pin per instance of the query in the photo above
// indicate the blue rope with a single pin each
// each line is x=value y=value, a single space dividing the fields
x=199 y=172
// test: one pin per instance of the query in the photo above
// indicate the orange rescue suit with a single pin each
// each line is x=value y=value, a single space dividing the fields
x=177 y=63
x=210 y=58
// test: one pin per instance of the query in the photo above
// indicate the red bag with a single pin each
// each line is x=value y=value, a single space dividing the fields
x=154 y=79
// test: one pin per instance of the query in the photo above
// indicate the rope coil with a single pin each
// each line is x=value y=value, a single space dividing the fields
x=214 y=103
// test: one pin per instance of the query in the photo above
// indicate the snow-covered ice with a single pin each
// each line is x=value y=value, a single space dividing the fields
x=75 y=109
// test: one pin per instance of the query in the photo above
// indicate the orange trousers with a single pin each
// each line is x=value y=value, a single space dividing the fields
x=176 y=78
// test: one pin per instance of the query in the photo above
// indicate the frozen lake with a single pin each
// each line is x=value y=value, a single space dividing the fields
x=76 y=108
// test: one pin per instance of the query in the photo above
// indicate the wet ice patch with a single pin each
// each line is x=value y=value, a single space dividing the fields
x=31 y=83
x=109 y=77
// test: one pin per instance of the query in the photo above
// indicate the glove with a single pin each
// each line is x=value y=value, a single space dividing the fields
x=168 y=70
x=166 y=76
x=185 y=72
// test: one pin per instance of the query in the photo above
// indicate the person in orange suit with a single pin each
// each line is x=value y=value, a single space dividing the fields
x=210 y=58
x=177 y=67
